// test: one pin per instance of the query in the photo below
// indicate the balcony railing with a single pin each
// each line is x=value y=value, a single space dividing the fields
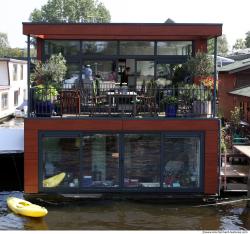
x=107 y=99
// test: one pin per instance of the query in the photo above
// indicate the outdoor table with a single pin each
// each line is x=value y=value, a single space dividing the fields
x=114 y=97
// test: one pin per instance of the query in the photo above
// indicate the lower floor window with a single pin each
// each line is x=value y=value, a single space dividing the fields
x=129 y=161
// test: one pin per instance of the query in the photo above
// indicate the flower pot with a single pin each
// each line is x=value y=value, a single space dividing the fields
x=202 y=108
x=170 y=110
x=44 y=108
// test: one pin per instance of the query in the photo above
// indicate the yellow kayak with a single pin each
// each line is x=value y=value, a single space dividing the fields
x=23 y=207
x=54 y=180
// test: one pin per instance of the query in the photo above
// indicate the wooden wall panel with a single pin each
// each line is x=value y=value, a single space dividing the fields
x=210 y=127
x=129 y=31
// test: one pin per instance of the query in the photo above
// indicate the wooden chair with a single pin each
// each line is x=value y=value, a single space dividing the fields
x=146 y=101
x=70 y=102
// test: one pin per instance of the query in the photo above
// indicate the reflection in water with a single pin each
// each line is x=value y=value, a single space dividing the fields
x=35 y=224
x=127 y=215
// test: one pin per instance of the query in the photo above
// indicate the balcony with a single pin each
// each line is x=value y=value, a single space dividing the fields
x=110 y=100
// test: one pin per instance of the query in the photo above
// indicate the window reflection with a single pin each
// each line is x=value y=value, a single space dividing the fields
x=137 y=48
x=181 y=162
x=62 y=155
x=142 y=160
x=100 y=161
x=66 y=48
x=174 y=48
x=99 y=47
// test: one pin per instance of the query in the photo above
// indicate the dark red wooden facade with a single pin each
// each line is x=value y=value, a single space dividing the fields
x=210 y=127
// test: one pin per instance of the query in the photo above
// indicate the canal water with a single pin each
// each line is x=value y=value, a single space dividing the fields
x=128 y=215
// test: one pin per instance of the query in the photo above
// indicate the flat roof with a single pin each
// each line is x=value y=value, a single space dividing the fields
x=122 y=31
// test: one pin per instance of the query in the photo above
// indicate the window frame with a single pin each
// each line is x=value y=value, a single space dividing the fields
x=121 y=167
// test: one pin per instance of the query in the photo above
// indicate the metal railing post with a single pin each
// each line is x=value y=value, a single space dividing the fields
x=215 y=77
x=28 y=76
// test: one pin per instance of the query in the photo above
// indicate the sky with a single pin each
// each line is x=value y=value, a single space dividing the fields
x=234 y=15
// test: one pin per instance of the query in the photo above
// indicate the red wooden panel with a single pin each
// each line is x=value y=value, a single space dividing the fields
x=31 y=172
x=31 y=155
x=212 y=142
x=123 y=31
x=75 y=125
x=30 y=189
x=170 y=125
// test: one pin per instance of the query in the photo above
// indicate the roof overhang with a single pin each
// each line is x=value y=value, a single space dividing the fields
x=122 y=31
x=245 y=149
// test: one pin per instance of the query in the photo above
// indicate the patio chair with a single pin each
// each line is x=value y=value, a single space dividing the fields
x=146 y=101
x=69 y=102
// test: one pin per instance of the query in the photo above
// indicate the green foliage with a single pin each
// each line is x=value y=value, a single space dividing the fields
x=7 y=51
x=170 y=100
x=51 y=72
x=247 y=40
x=199 y=66
x=45 y=93
x=235 y=118
x=222 y=45
x=54 y=11
x=223 y=145
x=239 y=44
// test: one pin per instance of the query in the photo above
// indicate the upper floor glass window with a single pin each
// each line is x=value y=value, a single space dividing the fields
x=137 y=48
x=99 y=47
x=67 y=48
x=174 y=48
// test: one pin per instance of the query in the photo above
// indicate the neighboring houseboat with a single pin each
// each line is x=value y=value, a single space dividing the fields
x=234 y=80
x=13 y=85
x=116 y=138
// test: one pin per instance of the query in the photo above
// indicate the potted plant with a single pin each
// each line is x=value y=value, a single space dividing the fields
x=202 y=101
x=199 y=67
x=47 y=80
x=170 y=105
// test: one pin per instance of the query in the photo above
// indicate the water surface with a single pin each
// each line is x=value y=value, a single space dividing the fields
x=128 y=215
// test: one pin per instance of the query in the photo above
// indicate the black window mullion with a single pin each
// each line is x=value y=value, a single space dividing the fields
x=162 y=161
x=121 y=160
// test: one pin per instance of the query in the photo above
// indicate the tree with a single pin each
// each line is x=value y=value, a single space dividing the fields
x=239 y=44
x=222 y=45
x=76 y=11
x=247 y=40
x=4 y=44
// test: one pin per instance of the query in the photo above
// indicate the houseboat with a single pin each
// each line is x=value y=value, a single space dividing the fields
x=114 y=136
x=13 y=85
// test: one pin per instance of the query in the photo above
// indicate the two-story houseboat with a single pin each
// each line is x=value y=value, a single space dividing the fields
x=112 y=136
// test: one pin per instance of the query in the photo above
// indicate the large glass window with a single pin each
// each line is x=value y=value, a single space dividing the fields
x=137 y=161
x=136 y=47
x=181 y=162
x=142 y=160
x=61 y=155
x=100 y=161
x=170 y=74
x=99 y=47
x=144 y=71
x=67 y=48
x=101 y=69
x=174 y=48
